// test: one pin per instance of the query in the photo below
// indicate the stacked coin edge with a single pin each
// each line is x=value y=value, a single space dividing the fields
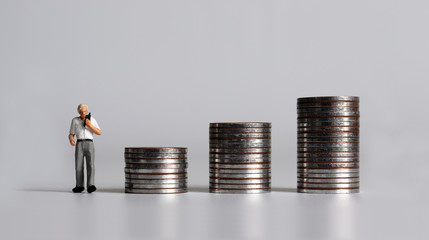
x=240 y=157
x=155 y=170
x=328 y=144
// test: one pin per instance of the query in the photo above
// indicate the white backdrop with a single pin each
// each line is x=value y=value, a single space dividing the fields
x=156 y=73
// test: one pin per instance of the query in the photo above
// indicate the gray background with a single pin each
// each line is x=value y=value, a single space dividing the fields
x=156 y=73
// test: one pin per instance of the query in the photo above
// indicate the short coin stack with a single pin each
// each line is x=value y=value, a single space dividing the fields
x=328 y=144
x=240 y=157
x=155 y=170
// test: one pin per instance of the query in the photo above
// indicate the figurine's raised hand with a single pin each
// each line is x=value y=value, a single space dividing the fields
x=87 y=123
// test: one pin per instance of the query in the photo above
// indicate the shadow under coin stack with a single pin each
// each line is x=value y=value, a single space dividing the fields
x=240 y=157
x=155 y=170
x=328 y=144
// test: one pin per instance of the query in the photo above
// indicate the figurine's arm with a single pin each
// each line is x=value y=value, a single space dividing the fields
x=92 y=127
x=71 y=139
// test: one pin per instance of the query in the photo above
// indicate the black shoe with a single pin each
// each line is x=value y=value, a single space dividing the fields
x=78 y=189
x=91 y=189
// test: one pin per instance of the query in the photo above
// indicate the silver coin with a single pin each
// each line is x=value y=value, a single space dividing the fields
x=241 y=124
x=328 y=134
x=328 y=160
x=336 y=106
x=246 y=181
x=328 y=170
x=328 y=140
x=327 y=129
x=240 y=130
x=318 y=134
x=244 y=145
x=241 y=156
x=155 y=181
x=239 y=186
x=328 y=149
x=328 y=154
x=240 y=150
x=175 y=170
x=152 y=150
x=228 y=191
x=238 y=138
x=156 y=186
x=240 y=135
x=156 y=166
x=240 y=176
x=234 y=171
x=327 y=104
x=329 y=165
x=330 y=110
x=319 y=149
x=216 y=147
x=337 y=191
x=242 y=142
x=321 y=131
x=328 y=180
x=328 y=99
x=328 y=145
x=239 y=166
x=238 y=160
x=155 y=155
x=155 y=161
x=328 y=175
x=156 y=191
x=314 y=124
x=155 y=176
x=328 y=114
x=238 y=190
x=329 y=185
x=333 y=120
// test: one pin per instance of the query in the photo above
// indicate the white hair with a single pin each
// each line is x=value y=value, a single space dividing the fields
x=80 y=106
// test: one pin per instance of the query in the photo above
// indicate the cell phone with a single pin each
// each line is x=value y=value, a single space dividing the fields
x=88 y=116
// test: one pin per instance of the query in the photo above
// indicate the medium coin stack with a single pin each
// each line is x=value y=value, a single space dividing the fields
x=240 y=157
x=155 y=170
x=328 y=144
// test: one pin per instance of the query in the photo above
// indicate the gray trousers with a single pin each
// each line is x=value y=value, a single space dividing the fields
x=85 y=149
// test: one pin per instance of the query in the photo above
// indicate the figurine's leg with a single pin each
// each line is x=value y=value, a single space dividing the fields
x=90 y=166
x=79 y=164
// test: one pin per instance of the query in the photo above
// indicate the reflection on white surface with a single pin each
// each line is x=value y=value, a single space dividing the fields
x=169 y=221
x=238 y=216
x=154 y=215
x=81 y=220
x=277 y=215
x=326 y=216
x=255 y=216
x=343 y=222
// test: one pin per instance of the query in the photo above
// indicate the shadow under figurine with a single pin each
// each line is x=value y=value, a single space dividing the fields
x=83 y=127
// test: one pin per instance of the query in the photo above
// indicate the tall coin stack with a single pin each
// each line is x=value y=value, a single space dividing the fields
x=328 y=144
x=240 y=157
x=155 y=170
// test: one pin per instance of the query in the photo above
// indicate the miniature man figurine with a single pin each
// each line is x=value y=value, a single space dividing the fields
x=84 y=127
